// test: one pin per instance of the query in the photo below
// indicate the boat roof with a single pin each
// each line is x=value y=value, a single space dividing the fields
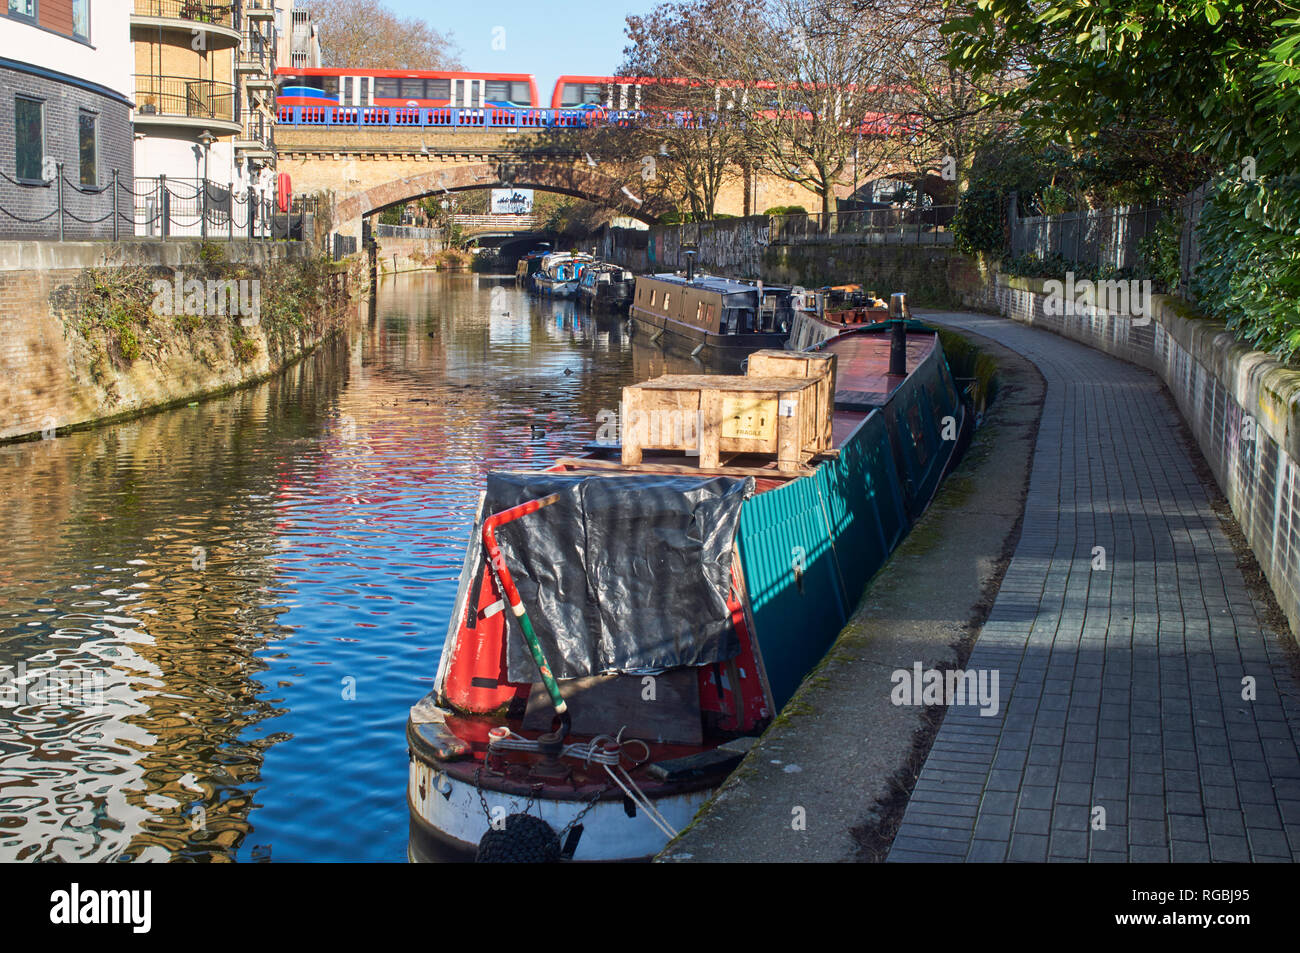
x=705 y=282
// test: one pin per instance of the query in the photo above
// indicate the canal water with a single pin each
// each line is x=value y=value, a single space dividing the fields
x=244 y=596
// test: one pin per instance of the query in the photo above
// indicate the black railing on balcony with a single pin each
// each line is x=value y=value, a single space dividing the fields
x=183 y=96
x=255 y=50
x=200 y=11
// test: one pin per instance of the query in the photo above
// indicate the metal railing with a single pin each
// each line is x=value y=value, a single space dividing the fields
x=184 y=96
x=504 y=220
x=407 y=231
x=198 y=11
x=487 y=117
x=255 y=52
x=158 y=207
x=258 y=129
x=1104 y=237
x=928 y=225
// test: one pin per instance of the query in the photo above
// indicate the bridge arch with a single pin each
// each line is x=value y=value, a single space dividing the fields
x=576 y=180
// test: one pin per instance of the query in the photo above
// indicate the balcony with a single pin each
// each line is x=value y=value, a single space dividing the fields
x=259 y=10
x=256 y=140
x=218 y=23
x=255 y=55
x=184 y=101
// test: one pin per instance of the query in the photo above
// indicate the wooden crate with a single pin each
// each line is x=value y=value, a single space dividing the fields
x=723 y=414
x=819 y=365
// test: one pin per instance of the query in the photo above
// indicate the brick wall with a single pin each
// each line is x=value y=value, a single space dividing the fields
x=22 y=205
x=46 y=376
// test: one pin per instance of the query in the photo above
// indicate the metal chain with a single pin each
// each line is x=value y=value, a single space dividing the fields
x=581 y=814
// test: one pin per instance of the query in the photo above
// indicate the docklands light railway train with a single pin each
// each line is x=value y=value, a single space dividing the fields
x=344 y=86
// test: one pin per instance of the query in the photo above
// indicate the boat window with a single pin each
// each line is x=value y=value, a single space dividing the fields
x=708 y=314
x=699 y=311
x=666 y=297
x=652 y=298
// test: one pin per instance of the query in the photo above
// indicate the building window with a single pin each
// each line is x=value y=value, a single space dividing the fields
x=87 y=148
x=80 y=19
x=29 y=138
x=23 y=8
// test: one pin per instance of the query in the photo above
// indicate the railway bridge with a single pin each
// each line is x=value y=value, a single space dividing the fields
x=368 y=159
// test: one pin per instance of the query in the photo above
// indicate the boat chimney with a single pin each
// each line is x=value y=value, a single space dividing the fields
x=690 y=266
x=898 y=334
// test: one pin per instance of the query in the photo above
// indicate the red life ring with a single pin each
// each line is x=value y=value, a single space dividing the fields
x=283 y=192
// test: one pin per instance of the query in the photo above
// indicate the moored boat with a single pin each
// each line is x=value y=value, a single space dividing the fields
x=605 y=286
x=822 y=313
x=558 y=275
x=721 y=313
x=623 y=627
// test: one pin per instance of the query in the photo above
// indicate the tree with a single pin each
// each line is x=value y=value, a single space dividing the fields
x=689 y=146
x=365 y=33
x=819 y=94
x=951 y=109
x=1217 y=73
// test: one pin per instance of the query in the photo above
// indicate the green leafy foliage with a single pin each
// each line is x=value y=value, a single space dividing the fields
x=979 y=224
x=1249 y=269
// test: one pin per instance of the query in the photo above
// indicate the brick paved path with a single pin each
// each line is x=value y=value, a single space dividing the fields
x=1122 y=688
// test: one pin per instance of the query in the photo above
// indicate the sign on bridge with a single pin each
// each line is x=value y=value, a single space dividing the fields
x=512 y=201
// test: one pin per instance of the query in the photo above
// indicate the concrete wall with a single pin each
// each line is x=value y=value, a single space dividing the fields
x=1242 y=406
x=48 y=374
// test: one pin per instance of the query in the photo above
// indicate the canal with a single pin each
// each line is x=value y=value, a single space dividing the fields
x=256 y=588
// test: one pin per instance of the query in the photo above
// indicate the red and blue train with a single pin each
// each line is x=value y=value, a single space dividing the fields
x=457 y=89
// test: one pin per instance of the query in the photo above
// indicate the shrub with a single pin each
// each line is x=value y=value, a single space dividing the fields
x=1249 y=269
x=979 y=224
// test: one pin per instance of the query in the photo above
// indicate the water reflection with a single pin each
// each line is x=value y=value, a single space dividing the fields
x=264 y=580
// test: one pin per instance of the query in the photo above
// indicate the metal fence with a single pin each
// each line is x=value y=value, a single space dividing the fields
x=159 y=207
x=407 y=231
x=1112 y=237
x=928 y=225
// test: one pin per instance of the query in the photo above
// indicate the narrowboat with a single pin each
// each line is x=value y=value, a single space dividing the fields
x=528 y=266
x=558 y=275
x=606 y=286
x=721 y=313
x=627 y=622
x=822 y=313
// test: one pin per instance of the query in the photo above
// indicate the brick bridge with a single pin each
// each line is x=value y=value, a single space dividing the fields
x=366 y=169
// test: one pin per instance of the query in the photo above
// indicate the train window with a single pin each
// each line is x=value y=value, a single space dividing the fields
x=571 y=94
x=438 y=88
x=410 y=88
x=591 y=93
x=329 y=85
x=385 y=88
x=347 y=91
x=497 y=91
x=521 y=94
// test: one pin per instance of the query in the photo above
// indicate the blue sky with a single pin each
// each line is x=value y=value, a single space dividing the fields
x=542 y=37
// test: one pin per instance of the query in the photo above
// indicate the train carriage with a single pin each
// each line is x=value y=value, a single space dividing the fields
x=342 y=86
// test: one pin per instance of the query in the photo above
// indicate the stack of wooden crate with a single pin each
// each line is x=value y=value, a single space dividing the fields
x=781 y=408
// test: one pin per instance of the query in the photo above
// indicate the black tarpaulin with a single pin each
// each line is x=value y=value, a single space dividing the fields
x=623 y=573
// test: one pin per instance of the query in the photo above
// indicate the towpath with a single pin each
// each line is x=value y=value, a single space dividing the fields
x=1122 y=733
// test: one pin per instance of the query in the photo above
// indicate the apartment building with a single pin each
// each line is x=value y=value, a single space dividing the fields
x=205 y=96
x=65 y=101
